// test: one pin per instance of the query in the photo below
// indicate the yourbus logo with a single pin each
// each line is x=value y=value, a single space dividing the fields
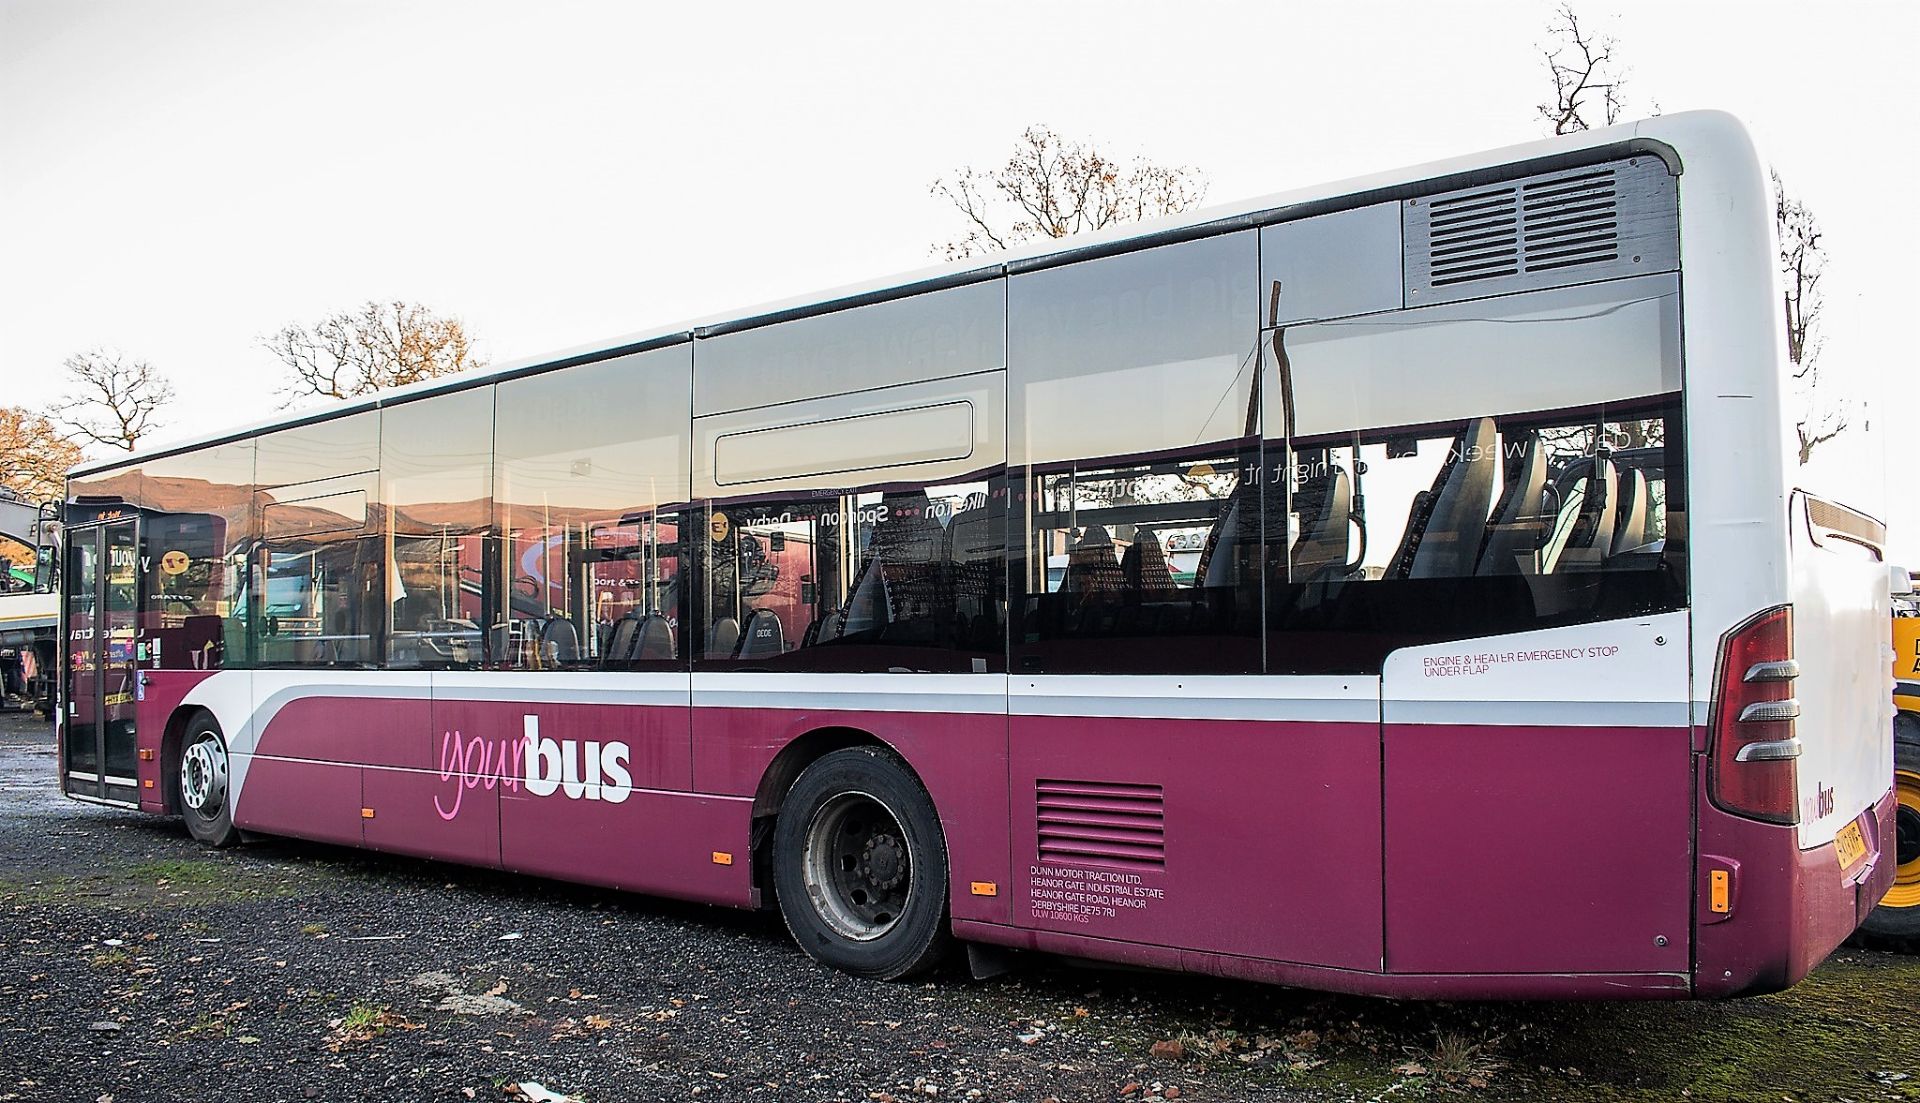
x=590 y=770
x=577 y=769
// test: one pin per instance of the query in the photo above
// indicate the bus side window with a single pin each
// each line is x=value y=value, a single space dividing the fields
x=905 y=578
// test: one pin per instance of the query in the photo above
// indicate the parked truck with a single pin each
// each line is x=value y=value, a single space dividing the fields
x=1897 y=919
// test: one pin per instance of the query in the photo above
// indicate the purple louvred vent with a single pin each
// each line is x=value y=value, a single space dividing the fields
x=1101 y=822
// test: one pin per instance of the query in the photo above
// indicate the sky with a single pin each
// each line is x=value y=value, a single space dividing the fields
x=178 y=180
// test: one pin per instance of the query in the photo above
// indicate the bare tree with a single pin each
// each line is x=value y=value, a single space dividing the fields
x=114 y=400
x=1053 y=186
x=1584 y=69
x=375 y=347
x=34 y=455
x=1581 y=63
x=1803 y=262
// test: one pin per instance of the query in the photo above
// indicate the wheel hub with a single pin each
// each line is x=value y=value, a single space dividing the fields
x=858 y=867
x=203 y=777
x=885 y=862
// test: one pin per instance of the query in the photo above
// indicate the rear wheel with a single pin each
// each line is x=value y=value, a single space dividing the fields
x=860 y=866
x=1898 y=916
x=206 y=798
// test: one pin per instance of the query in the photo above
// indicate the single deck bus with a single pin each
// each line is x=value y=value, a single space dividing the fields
x=1403 y=586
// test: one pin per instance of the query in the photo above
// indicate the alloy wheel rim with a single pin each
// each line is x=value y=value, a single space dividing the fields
x=857 y=867
x=203 y=776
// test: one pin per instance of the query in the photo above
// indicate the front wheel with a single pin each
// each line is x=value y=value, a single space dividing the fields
x=1897 y=919
x=860 y=866
x=206 y=798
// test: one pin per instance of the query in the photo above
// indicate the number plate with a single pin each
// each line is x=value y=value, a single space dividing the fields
x=1849 y=846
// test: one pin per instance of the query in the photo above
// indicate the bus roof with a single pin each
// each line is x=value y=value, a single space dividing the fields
x=1657 y=136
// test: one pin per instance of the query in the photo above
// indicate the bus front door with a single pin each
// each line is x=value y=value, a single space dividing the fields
x=102 y=619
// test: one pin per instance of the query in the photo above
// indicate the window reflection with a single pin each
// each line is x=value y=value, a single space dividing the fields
x=903 y=578
x=1138 y=552
x=1472 y=528
x=592 y=480
x=17 y=563
x=436 y=485
x=1137 y=420
x=321 y=579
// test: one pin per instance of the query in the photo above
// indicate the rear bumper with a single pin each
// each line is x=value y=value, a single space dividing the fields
x=1788 y=908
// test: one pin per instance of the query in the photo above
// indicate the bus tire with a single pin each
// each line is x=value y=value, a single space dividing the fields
x=206 y=799
x=860 y=866
x=1896 y=922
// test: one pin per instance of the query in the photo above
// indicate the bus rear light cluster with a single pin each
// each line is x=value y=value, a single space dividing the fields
x=1752 y=750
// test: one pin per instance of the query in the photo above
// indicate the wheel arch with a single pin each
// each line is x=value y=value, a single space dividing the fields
x=786 y=768
x=174 y=734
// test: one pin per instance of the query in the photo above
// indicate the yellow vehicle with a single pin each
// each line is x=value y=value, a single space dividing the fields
x=1898 y=916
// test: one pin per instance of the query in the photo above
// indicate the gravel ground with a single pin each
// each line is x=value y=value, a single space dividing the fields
x=135 y=966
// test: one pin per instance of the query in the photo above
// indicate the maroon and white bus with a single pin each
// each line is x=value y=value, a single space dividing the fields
x=1435 y=605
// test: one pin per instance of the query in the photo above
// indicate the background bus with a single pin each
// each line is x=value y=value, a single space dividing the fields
x=28 y=609
x=1402 y=587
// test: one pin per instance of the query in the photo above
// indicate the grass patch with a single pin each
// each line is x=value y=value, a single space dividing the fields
x=1845 y=1033
x=111 y=959
x=363 y=1023
x=213 y=1025
x=1455 y=1062
x=314 y=930
x=181 y=871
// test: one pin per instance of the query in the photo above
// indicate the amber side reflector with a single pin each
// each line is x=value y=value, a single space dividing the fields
x=366 y=813
x=146 y=754
x=985 y=888
x=147 y=784
x=1717 y=892
x=722 y=858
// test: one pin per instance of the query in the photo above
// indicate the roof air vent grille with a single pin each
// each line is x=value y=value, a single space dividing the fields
x=1575 y=226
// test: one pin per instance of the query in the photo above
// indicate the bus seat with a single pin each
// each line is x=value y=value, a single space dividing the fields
x=1589 y=534
x=722 y=635
x=1630 y=517
x=1234 y=540
x=763 y=635
x=909 y=534
x=1144 y=566
x=867 y=606
x=1447 y=522
x=974 y=556
x=620 y=641
x=654 y=640
x=1324 y=506
x=831 y=626
x=561 y=639
x=970 y=536
x=1091 y=566
x=1519 y=525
